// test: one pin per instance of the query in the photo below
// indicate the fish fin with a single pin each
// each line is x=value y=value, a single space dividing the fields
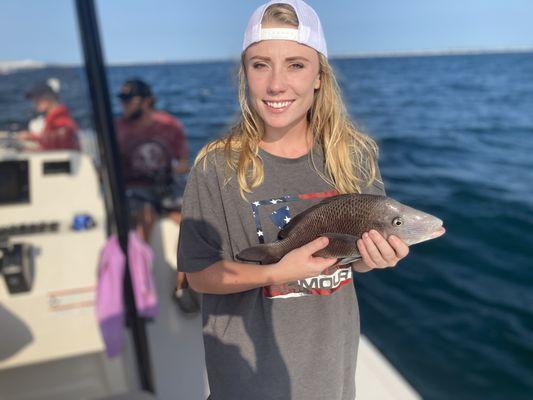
x=341 y=245
x=262 y=253
x=295 y=220
x=348 y=260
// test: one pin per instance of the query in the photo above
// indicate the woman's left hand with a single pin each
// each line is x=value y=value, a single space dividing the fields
x=378 y=252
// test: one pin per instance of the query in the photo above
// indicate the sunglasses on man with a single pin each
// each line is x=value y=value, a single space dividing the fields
x=126 y=98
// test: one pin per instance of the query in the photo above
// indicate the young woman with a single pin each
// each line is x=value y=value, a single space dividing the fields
x=288 y=330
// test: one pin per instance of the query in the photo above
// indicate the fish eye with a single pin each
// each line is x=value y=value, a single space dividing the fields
x=397 y=221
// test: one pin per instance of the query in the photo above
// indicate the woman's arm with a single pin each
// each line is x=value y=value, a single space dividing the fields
x=225 y=276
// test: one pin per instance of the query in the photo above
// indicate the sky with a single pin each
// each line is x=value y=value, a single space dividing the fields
x=176 y=30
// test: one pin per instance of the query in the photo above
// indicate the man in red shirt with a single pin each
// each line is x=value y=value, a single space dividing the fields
x=59 y=131
x=155 y=159
x=152 y=143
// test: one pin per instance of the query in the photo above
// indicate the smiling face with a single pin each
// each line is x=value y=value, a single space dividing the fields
x=282 y=76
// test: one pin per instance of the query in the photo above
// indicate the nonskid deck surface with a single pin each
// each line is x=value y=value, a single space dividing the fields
x=175 y=338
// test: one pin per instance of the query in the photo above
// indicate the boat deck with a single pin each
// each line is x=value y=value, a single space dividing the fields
x=177 y=350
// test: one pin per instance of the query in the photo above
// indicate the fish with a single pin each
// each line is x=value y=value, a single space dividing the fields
x=343 y=219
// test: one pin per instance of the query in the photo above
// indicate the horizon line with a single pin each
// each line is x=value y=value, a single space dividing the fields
x=28 y=63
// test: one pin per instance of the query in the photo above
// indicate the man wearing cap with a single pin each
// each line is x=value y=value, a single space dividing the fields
x=152 y=143
x=59 y=131
x=154 y=155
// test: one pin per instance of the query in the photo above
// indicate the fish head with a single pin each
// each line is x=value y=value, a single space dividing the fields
x=409 y=224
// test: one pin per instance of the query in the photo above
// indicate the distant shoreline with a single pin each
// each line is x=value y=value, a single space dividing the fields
x=385 y=54
x=436 y=53
x=8 y=66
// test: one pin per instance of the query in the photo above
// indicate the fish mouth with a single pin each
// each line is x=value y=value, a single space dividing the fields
x=437 y=228
x=439 y=232
x=436 y=232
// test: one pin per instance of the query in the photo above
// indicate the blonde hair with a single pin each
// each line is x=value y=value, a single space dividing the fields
x=350 y=156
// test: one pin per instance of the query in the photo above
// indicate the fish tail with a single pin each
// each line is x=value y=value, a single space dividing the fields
x=262 y=253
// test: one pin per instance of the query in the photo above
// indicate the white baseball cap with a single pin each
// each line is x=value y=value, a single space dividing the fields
x=309 y=30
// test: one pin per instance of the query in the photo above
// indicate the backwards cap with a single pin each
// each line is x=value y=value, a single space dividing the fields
x=309 y=30
x=48 y=89
x=135 y=87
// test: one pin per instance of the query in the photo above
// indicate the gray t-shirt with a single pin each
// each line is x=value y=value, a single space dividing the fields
x=296 y=341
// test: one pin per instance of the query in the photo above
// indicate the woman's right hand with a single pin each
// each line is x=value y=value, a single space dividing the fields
x=300 y=263
x=228 y=276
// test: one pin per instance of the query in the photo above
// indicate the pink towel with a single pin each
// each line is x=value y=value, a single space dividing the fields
x=109 y=290
x=141 y=258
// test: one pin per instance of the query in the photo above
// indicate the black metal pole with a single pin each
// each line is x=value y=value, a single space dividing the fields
x=111 y=172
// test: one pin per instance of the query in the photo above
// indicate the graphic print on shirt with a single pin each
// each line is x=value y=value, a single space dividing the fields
x=148 y=159
x=331 y=280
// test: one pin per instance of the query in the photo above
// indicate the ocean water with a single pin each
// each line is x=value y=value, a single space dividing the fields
x=456 y=138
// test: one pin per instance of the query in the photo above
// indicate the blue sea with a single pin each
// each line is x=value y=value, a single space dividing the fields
x=456 y=138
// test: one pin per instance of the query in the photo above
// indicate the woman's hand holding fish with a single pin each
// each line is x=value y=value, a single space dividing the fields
x=378 y=252
x=300 y=263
